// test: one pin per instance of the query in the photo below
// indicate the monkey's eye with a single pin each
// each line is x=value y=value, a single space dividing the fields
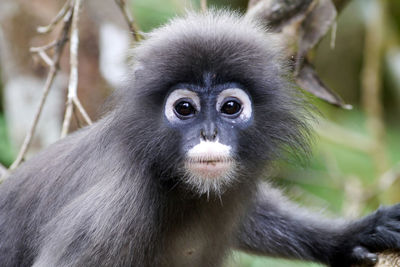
x=184 y=109
x=234 y=103
x=231 y=107
x=181 y=104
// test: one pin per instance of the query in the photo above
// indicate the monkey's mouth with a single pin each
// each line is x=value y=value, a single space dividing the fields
x=209 y=167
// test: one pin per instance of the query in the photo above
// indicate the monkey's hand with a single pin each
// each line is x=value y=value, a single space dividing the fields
x=374 y=233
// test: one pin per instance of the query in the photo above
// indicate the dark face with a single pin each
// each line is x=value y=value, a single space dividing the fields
x=210 y=106
x=209 y=120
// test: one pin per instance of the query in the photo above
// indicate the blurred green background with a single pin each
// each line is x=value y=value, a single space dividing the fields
x=342 y=177
x=6 y=151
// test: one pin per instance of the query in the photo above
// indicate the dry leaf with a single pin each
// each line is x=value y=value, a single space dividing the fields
x=302 y=24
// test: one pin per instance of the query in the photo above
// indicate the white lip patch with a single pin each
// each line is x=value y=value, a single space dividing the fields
x=207 y=150
x=209 y=166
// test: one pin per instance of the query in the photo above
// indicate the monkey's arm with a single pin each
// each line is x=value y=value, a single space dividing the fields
x=279 y=228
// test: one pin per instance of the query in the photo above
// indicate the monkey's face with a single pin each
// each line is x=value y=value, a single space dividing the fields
x=211 y=107
x=209 y=120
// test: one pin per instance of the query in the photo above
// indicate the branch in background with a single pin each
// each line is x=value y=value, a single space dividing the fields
x=129 y=19
x=389 y=178
x=354 y=197
x=63 y=12
x=53 y=63
x=203 y=5
x=383 y=184
x=73 y=78
x=41 y=51
x=371 y=81
x=340 y=135
x=78 y=122
x=333 y=35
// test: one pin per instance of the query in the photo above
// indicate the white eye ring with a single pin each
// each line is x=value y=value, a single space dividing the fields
x=239 y=94
x=172 y=99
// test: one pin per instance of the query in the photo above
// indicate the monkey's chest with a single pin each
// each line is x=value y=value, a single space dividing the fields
x=186 y=251
x=195 y=245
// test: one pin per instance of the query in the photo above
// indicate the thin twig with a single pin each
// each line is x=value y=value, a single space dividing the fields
x=28 y=138
x=384 y=183
x=371 y=83
x=129 y=19
x=67 y=118
x=73 y=76
x=203 y=4
x=389 y=178
x=43 y=55
x=78 y=121
x=340 y=135
x=54 y=67
x=64 y=10
x=354 y=197
x=78 y=104
x=43 y=48
x=41 y=51
x=333 y=35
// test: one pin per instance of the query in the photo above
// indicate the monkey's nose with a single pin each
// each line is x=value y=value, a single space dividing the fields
x=209 y=133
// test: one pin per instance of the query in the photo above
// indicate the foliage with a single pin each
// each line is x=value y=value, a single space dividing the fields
x=6 y=155
x=6 y=152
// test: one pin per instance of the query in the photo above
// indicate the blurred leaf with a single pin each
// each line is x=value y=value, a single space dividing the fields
x=277 y=13
x=6 y=155
x=315 y=25
x=301 y=22
x=308 y=79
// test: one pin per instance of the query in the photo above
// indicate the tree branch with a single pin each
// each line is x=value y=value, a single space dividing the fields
x=371 y=83
x=54 y=67
x=64 y=10
x=203 y=5
x=73 y=76
x=129 y=19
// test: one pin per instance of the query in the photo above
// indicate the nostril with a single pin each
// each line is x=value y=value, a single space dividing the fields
x=215 y=134
x=203 y=135
x=208 y=134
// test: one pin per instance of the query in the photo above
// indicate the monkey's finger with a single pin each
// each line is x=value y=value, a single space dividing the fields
x=394 y=226
x=392 y=212
x=364 y=256
x=388 y=238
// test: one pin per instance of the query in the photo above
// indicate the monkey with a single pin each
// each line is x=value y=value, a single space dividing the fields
x=172 y=174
